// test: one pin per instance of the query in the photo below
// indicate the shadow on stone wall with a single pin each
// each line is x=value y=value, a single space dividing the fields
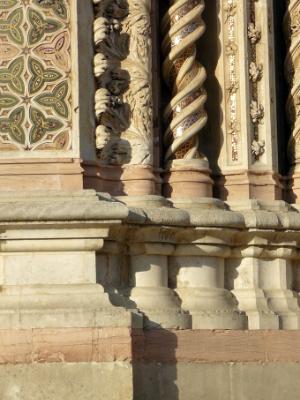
x=154 y=365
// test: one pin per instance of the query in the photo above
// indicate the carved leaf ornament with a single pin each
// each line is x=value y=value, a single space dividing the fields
x=122 y=67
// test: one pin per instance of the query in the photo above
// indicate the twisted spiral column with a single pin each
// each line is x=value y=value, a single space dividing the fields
x=292 y=69
x=185 y=116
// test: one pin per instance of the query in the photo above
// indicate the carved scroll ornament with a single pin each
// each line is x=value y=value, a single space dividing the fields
x=122 y=67
x=292 y=69
x=185 y=115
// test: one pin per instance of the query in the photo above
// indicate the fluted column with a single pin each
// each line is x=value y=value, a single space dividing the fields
x=187 y=171
x=292 y=70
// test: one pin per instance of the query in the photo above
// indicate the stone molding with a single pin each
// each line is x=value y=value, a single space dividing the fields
x=205 y=265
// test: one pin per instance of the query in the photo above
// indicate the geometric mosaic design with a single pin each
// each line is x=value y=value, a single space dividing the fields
x=35 y=75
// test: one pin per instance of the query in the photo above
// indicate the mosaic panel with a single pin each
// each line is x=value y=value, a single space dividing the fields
x=35 y=75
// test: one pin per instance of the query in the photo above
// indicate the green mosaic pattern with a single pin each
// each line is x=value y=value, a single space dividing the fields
x=35 y=75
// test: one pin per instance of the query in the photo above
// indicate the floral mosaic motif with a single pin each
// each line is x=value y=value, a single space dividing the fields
x=12 y=76
x=40 y=26
x=41 y=125
x=12 y=26
x=8 y=101
x=13 y=126
x=57 y=6
x=56 y=51
x=40 y=75
x=35 y=75
x=56 y=99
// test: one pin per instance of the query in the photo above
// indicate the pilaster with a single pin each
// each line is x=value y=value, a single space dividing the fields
x=248 y=165
x=292 y=71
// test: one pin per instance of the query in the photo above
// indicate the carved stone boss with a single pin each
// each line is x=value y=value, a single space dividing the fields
x=123 y=102
x=35 y=76
x=292 y=69
x=185 y=115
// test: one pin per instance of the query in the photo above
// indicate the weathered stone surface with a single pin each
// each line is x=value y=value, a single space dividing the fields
x=84 y=381
x=252 y=381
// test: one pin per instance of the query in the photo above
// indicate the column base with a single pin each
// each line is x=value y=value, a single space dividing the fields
x=254 y=303
x=212 y=308
x=247 y=184
x=160 y=307
x=293 y=185
x=131 y=180
x=285 y=305
x=188 y=178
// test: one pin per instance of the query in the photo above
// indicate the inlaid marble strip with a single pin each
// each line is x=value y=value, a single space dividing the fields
x=232 y=102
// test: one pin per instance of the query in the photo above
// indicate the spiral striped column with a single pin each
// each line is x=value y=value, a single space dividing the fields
x=184 y=116
x=292 y=71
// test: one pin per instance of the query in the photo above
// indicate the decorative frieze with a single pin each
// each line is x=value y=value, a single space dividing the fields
x=123 y=101
x=35 y=75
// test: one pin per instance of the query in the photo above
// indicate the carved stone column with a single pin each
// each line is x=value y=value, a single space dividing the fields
x=292 y=70
x=187 y=172
x=123 y=101
x=247 y=165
